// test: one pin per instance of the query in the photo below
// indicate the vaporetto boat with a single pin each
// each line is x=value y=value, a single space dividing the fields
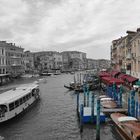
x=15 y=101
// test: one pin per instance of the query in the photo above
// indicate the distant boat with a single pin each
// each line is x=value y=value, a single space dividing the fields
x=15 y=101
x=72 y=72
x=128 y=127
x=46 y=74
x=74 y=86
x=57 y=73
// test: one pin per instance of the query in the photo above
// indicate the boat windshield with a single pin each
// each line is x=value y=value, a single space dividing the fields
x=3 y=109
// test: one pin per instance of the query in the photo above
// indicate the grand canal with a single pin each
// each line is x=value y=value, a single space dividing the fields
x=53 y=117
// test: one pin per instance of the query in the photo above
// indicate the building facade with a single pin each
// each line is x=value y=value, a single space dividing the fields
x=11 y=59
x=135 y=54
x=48 y=60
x=74 y=60
x=2 y=58
x=14 y=60
x=125 y=53
x=92 y=64
x=28 y=62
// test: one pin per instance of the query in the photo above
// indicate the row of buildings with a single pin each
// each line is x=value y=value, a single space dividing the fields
x=125 y=53
x=15 y=61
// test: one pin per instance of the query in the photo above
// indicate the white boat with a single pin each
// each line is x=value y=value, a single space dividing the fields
x=15 y=101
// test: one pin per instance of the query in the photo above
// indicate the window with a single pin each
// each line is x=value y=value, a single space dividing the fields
x=17 y=103
x=2 y=52
x=11 y=106
x=24 y=99
x=27 y=97
x=30 y=95
x=21 y=101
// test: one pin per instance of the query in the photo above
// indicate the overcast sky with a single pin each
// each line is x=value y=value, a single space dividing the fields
x=63 y=25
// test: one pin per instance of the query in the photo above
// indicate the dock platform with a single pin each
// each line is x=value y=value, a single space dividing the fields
x=88 y=118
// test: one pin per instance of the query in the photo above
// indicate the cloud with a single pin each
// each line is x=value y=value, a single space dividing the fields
x=61 y=25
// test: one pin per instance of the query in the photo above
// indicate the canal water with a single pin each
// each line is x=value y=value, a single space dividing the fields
x=53 y=117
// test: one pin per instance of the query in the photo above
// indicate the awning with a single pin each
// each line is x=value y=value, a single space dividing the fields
x=122 y=76
x=128 y=78
x=115 y=73
x=104 y=74
x=131 y=79
x=111 y=80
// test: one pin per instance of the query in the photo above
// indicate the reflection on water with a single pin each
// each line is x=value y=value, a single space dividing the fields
x=53 y=117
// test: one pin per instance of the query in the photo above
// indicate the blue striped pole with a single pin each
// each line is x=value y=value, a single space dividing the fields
x=84 y=87
x=110 y=94
x=114 y=92
x=137 y=104
x=98 y=120
x=137 y=107
x=92 y=108
x=108 y=90
x=129 y=105
x=87 y=95
x=139 y=110
x=132 y=110
x=81 y=117
x=120 y=96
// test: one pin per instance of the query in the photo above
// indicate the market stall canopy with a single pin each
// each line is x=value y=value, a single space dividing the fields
x=111 y=80
x=104 y=74
x=114 y=73
x=127 y=78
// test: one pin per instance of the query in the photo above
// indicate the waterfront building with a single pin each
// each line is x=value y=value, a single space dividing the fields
x=125 y=53
x=74 y=60
x=13 y=59
x=57 y=60
x=2 y=58
x=121 y=53
x=92 y=64
x=104 y=64
x=48 y=60
x=28 y=62
x=134 y=46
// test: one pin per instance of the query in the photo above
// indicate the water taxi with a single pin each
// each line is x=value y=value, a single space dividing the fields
x=18 y=99
x=128 y=127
